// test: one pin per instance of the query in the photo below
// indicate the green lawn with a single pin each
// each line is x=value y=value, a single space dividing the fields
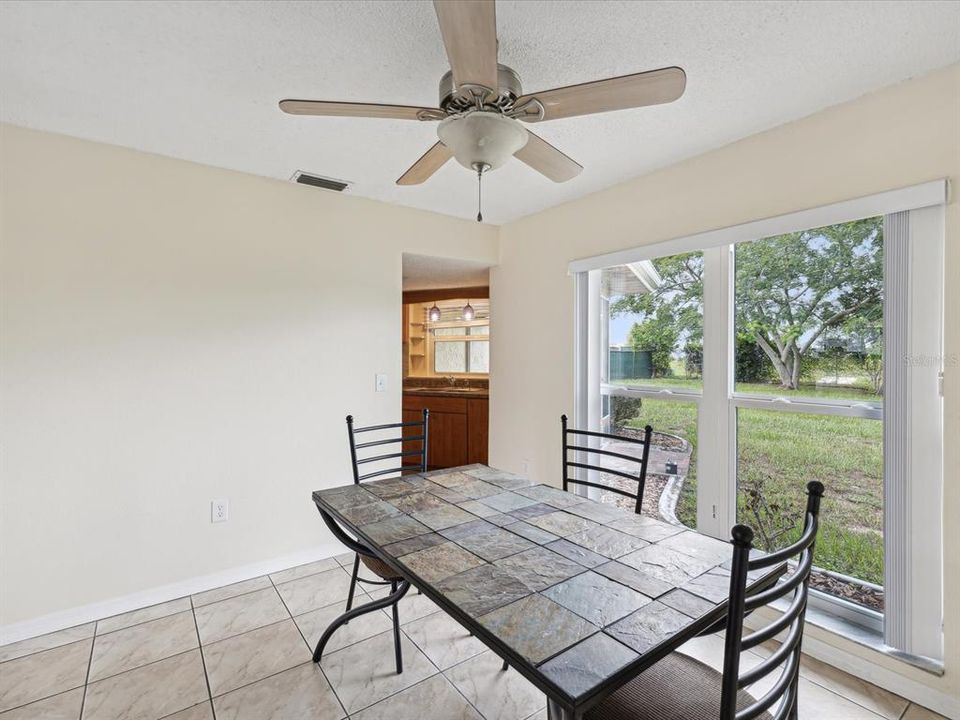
x=778 y=453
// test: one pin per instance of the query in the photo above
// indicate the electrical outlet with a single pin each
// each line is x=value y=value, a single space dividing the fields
x=525 y=467
x=219 y=510
x=381 y=382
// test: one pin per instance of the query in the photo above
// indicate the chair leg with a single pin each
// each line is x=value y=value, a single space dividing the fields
x=346 y=617
x=505 y=666
x=396 y=629
x=353 y=581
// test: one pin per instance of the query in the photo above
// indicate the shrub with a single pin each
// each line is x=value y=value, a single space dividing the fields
x=753 y=365
x=623 y=410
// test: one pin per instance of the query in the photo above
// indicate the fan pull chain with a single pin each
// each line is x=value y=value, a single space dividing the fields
x=479 y=194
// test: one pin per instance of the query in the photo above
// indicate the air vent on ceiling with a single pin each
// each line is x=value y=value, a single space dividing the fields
x=320 y=181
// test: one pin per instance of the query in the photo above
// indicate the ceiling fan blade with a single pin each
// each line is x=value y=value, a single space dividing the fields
x=619 y=93
x=547 y=160
x=469 y=30
x=368 y=110
x=431 y=161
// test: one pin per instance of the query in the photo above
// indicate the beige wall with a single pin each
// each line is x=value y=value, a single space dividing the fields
x=173 y=333
x=900 y=136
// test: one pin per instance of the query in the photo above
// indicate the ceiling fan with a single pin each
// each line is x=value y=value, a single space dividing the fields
x=482 y=102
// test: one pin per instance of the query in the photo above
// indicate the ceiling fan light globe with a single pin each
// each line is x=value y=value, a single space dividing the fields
x=482 y=138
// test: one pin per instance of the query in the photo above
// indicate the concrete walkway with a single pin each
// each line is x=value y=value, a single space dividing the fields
x=662 y=488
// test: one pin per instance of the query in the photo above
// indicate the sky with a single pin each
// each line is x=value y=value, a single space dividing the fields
x=620 y=328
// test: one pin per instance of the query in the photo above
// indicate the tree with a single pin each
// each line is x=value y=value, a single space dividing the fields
x=792 y=288
x=681 y=288
x=658 y=334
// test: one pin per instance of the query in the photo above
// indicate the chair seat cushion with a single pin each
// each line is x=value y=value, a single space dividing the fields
x=676 y=688
x=379 y=568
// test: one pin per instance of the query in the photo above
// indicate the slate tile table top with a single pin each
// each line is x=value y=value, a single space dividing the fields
x=578 y=596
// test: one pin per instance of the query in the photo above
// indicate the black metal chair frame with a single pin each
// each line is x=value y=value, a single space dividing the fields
x=788 y=654
x=398 y=588
x=640 y=477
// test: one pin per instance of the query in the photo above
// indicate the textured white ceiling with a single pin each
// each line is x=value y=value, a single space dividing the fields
x=201 y=80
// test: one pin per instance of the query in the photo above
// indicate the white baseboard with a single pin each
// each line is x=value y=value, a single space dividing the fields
x=114 y=606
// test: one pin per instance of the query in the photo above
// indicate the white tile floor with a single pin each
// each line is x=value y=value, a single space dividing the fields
x=242 y=652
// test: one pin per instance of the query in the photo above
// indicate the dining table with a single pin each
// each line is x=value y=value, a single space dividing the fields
x=578 y=595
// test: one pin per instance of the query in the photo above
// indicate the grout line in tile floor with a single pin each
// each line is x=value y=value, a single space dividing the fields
x=236 y=634
x=203 y=660
x=307 y=642
x=443 y=672
x=87 y=685
x=191 y=707
x=412 y=641
x=86 y=679
x=437 y=667
x=850 y=700
x=48 y=697
x=430 y=677
x=59 y=692
x=238 y=595
x=96 y=629
x=391 y=695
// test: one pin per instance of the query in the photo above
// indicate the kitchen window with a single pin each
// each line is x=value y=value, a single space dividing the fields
x=459 y=346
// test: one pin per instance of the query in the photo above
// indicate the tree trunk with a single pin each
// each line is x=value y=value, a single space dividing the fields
x=795 y=370
x=784 y=363
x=785 y=371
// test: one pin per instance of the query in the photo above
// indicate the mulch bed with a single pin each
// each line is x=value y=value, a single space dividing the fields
x=861 y=595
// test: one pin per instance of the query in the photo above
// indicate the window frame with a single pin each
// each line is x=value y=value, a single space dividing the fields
x=718 y=402
x=467 y=338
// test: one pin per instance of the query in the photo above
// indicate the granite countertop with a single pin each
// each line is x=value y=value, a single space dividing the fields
x=448 y=392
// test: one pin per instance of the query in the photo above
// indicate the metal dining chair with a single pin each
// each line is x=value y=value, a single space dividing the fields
x=681 y=688
x=584 y=463
x=360 y=455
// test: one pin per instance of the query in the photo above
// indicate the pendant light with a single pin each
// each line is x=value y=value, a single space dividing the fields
x=433 y=314
x=468 y=312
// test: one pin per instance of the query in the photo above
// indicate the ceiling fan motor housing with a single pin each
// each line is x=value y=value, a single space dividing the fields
x=452 y=100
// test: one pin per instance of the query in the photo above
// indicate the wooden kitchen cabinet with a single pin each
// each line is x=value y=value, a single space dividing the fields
x=458 y=428
x=478 y=430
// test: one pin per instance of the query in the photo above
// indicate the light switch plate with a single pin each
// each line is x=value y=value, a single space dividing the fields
x=381 y=382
